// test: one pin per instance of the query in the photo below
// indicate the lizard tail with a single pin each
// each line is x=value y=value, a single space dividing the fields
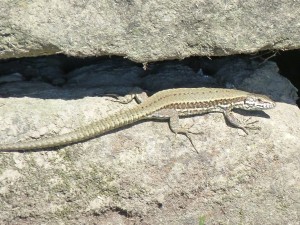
x=81 y=134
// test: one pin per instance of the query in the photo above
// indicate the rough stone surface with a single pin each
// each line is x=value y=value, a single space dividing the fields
x=147 y=30
x=142 y=174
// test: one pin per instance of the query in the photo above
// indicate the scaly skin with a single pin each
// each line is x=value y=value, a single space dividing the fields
x=180 y=102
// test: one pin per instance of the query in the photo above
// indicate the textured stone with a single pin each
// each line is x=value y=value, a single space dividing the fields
x=142 y=174
x=147 y=30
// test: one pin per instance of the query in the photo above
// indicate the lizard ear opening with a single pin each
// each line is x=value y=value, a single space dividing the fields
x=249 y=101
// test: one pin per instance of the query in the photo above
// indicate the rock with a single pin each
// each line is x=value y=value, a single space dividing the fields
x=142 y=173
x=147 y=31
x=106 y=73
x=14 y=77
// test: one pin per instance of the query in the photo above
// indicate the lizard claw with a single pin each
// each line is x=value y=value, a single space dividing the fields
x=249 y=125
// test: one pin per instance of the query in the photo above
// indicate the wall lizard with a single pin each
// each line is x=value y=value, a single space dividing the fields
x=167 y=104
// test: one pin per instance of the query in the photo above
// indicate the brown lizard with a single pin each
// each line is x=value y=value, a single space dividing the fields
x=167 y=104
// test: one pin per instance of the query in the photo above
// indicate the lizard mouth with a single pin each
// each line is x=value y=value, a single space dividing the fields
x=264 y=106
x=269 y=105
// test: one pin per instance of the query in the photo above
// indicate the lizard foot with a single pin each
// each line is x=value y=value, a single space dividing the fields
x=249 y=124
x=188 y=134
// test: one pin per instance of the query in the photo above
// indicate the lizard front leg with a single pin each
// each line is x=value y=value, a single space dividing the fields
x=243 y=125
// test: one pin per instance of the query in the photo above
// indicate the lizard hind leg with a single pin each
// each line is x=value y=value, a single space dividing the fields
x=175 y=127
x=136 y=94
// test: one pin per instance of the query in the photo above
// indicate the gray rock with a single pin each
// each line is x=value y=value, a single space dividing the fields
x=258 y=77
x=143 y=174
x=14 y=77
x=147 y=30
x=106 y=73
x=166 y=75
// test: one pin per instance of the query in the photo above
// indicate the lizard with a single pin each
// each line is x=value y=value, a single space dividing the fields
x=170 y=104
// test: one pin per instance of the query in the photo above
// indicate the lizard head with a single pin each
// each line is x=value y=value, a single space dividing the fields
x=258 y=102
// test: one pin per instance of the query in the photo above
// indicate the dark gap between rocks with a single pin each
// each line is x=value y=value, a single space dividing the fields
x=59 y=76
